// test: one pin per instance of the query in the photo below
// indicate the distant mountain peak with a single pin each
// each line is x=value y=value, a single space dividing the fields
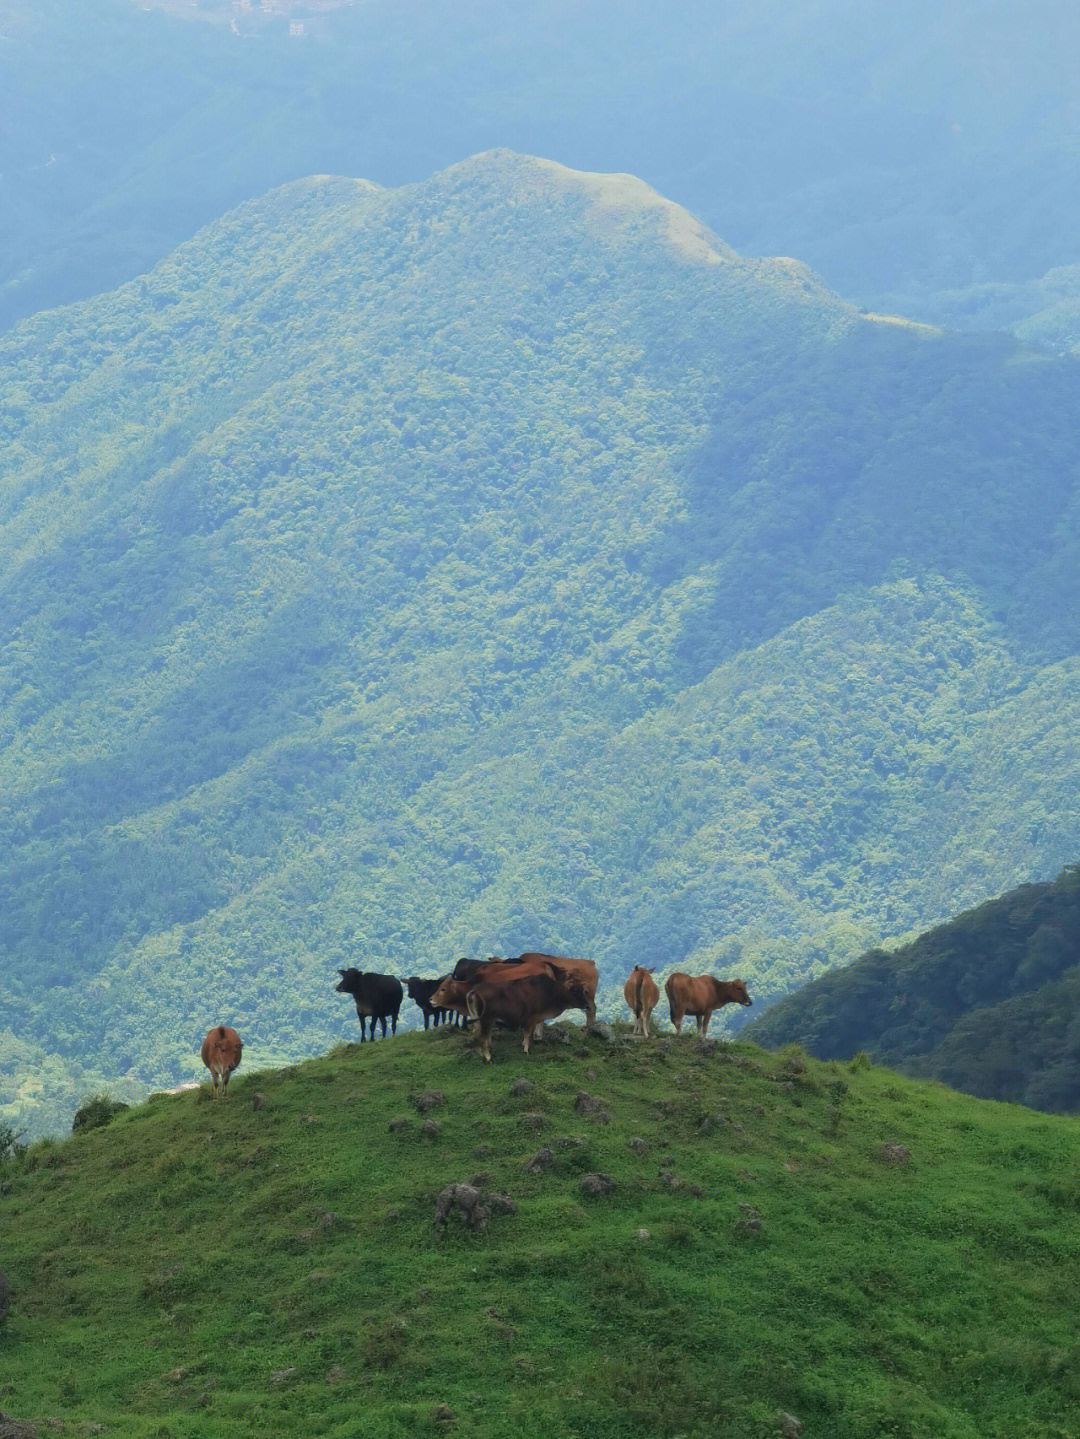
x=617 y=198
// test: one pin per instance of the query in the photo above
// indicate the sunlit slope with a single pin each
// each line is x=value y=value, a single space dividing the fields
x=217 y=1270
x=497 y=562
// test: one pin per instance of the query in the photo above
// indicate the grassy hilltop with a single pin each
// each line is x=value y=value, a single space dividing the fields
x=496 y=563
x=206 y=1271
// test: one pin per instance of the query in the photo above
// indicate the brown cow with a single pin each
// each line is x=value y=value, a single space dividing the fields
x=699 y=996
x=451 y=993
x=523 y=1002
x=583 y=969
x=221 y=1051
x=642 y=996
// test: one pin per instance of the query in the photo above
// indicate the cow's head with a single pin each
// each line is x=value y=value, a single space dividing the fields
x=449 y=993
x=412 y=986
x=350 y=982
x=738 y=992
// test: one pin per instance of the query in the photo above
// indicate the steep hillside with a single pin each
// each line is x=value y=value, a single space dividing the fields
x=865 y=1253
x=504 y=563
x=987 y=1002
x=922 y=160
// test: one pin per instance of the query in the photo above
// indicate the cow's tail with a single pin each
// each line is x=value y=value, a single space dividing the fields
x=474 y=1004
x=638 y=986
x=221 y=1031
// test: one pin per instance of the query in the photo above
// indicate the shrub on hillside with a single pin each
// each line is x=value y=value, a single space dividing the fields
x=11 y=1145
x=96 y=1110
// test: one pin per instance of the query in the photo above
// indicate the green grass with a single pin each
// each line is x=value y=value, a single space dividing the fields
x=165 y=1266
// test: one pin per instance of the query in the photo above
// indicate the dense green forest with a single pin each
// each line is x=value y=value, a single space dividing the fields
x=772 y=1236
x=989 y=1002
x=924 y=160
x=497 y=563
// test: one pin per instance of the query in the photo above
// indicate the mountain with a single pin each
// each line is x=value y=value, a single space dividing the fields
x=503 y=562
x=986 y=1003
x=921 y=160
x=863 y=1252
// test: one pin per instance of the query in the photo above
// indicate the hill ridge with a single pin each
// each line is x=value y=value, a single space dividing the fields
x=718 y=1233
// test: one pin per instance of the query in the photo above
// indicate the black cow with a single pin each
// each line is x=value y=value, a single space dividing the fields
x=421 y=991
x=378 y=998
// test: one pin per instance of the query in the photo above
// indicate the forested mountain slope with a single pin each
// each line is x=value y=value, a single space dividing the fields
x=923 y=160
x=987 y=1002
x=496 y=563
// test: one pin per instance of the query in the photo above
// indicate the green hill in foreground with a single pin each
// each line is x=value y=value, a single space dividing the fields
x=201 y=1269
x=989 y=1003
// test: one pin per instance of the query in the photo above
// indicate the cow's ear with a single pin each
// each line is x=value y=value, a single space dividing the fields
x=343 y=972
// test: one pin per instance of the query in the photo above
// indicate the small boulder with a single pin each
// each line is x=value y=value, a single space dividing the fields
x=397 y=1123
x=788 y=1425
x=705 y=1127
x=748 y=1223
x=309 y=1119
x=638 y=1145
x=542 y=1160
x=279 y=1377
x=594 y=1185
x=336 y=1374
x=258 y=1100
x=520 y=1086
x=14 y=1429
x=893 y=1153
x=643 y=1236
x=593 y=1106
x=501 y=1204
x=431 y=1129
x=534 y=1120
x=429 y=1100
x=442 y=1414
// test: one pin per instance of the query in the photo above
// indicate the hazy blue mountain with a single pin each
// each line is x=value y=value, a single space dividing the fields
x=923 y=160
x=503 y=562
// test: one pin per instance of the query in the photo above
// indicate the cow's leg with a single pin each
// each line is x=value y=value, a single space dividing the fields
x=393 y=1024
x=362 y=1034
x=705 y=1022
x=677 y=1020
x=427 y=1017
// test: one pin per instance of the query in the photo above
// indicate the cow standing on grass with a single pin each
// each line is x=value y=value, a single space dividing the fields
x=422 y=991
x=221 y=1051
x=522 y=999
x=642 y=996
x=699 y=995
x=378 y=998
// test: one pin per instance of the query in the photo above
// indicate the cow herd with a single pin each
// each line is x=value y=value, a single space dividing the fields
x=520 y=994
